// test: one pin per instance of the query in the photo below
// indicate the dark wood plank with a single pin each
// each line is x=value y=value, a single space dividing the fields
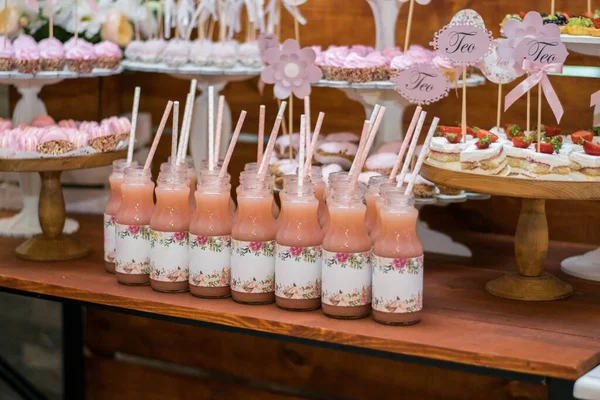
x=109 y=380
x=470 y=337
x=298 y=366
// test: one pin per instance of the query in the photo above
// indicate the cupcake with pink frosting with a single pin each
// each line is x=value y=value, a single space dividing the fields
x=332 y=62
x=371 y=67
x=54 y=141
x=81 y=58
x=52 y=53
x=27 y=55
x=108 y=55
x=7 y=56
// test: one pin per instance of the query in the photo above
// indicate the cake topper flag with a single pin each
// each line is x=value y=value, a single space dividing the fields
x=464 y=42
x=422 y=84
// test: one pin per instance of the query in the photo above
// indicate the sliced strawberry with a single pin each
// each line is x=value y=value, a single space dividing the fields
x=482 y=133
x=551 y=131
x=483 y=142
x=444 y=130
x=544 y=148
x=522 y=142
x=513 y=130
x=591 y=149
x=522 y=14
x=470 y=131
x=596 y=22
x=454 y=137
x=579 y=135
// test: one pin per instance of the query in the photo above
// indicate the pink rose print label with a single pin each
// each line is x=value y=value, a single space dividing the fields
x=298 y=272
x=169 y=256
x=132 y=249
x=397 y=284
x=463 y=44
x=422 y=84
x=210 y=261
x=253 y=266
x=346 y=279
x=110 y=234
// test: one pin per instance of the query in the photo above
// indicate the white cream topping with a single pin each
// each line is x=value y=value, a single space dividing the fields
x=473 y=154
x=442 y=145
x=346 y=148
x=585 y=160
x=381 y=161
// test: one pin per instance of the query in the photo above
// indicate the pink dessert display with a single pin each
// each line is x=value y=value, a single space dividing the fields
x=27 y=55
x=7 y=56
x=42 y=121
x=176 y=53
x=135 y=50
x=201 y=53
x=108 y=55
x=151 y=50
x=52 y=54
x=81 y=58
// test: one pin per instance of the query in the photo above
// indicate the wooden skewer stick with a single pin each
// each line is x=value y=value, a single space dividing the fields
x=499 y=110
x=411 y=8
x=463 y=123
x=528 y=111
x=539 y=119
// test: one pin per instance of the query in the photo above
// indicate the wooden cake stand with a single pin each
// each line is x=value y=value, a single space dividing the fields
x=52 y=244
x=530 y=282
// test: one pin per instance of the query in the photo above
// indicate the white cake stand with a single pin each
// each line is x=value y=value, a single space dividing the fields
x=206 y=76
x=26 y=222
x=383 y=93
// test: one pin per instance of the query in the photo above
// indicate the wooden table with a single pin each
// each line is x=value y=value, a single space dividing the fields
x=462 y=327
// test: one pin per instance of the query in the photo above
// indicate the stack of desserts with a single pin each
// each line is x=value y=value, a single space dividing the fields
x=29 y=57
x=43 y=136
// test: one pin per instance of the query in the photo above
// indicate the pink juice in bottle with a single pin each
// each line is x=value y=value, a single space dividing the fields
x=346 y=272
x=110 y=211
x=169 y=253
x=204 y=170
x=397 y=262
x=190 y=177
x=252 y=168
x=253 y=244
x=132 y=240
x=319 y=185
x=210 y=238
x=336 y=180
x=298 y=250
x=371 y=198
x=383 y=188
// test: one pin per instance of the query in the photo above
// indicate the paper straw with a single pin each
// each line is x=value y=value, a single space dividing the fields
x=219 y=127
x=211 y=128
x=262 y=170
x=363 y=138
x=313 y=144
x=159 y=132
x=174 y=133
x=234 y=138
x=188 y=127
x=134 y=117
x=307 y=116
x=180 y=150
x=301 y=152
x=405 y=142
x=261 y=133
x=372 y=133
x=413 y=146
x=354 y=175
x=421 y=159
x=193 y=85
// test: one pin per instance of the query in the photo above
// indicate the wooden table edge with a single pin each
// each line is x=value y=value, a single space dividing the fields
x=250 y=323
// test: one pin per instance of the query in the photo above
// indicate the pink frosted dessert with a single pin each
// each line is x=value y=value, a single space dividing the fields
x=372 y=67
x=52 y=53
x=27 y=55
x=67 y=123
x=42 y=121
x=201 y=53
x=7 y=56
x=333 y=61
x=249 y=54
x=5 y=124
x=135 y=50
x=108 y=55
x=177 y=52
x=54 y=141
x=81 y=58
x=225 y=54
x=29 y=140
x=152 y=50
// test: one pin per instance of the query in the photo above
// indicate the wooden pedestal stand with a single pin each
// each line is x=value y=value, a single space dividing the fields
x=530 y=282
x=52 y=244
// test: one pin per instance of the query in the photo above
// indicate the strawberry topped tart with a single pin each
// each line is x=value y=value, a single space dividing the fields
x=484 y=156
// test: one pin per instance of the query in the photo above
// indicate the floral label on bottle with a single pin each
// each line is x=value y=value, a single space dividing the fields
x=169 y=254
x=210 y=261
x=397 y=284
x=253 y=266
x=298 y=272
x=346 y=279
x=110 y=234
x=132 y=249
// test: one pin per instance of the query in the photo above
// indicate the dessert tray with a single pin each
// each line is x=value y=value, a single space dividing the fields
x=473 y=80
x=65 y=74
x=189 y=69
x=530 y=282
x=52 y=244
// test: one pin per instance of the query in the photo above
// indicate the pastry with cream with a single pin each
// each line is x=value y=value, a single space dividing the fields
x=484 y=157
x=585 y=162
x=382 y=163
x=341 y=153
x=53 y=55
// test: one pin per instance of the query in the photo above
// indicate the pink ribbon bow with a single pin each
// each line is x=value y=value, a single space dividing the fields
x=538 y=74
x=595 y=99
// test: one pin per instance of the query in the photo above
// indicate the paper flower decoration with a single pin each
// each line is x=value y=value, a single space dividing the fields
x=265 y=42
x=531 y=27
x=291 y=69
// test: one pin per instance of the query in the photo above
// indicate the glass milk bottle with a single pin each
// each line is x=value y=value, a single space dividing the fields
x=191 y=179
x=169 y=225
x=132 y=240
x=397 y=262
x=251 y=169
x=319 y=185
x=110 y=211
x=336 y=180
x=346 y=272
x=371 y=198
x=383 y=188
x=298 y=250
x=210 y=238
x=253 y=244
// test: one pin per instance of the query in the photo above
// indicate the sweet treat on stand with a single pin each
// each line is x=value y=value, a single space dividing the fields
x=423 y=188
x=570 y=24
x=343 y=137
x=53 y=55
x=283 y=143
x=381 y=163
x=177 y=52
x=81 y=57
x=445 y=151
x=108 y=55
x=341 y=153
x=585 y=163
x=249 y=54
x=201 y=53
x=225 y=54
x=482 y=156
x=7 y=56
x=27 y=55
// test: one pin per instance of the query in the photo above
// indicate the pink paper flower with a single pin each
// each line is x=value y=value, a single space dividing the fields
x=291 y=70
x=134 y=229
x=342 y=257
x=179 y=236
x=255 y=246
x=296 y=251
x=201 y=240
x=399 y=263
